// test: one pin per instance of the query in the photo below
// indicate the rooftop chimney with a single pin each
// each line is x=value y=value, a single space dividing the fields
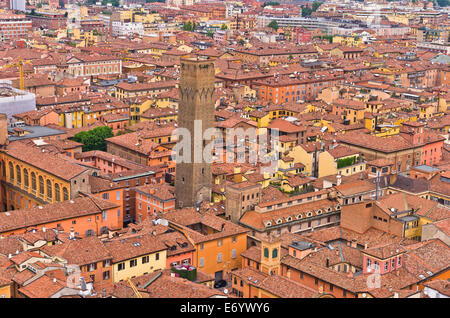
x=338 y=179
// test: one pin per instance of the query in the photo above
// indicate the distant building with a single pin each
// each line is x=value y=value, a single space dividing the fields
x=15 y=101
x=17 y=5
x=13 y=26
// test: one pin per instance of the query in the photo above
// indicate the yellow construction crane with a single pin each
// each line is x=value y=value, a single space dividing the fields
x=136 y=292
x=20 y=65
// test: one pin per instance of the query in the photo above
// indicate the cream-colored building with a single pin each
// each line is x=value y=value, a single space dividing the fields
x=136 y=256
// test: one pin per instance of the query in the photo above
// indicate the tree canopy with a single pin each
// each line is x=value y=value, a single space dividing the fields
x=273 y=24
x=94 y=139
x=189 y=26
x=316 y=5
x=270 y=3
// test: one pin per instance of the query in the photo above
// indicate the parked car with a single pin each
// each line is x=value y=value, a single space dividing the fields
x=220 y=284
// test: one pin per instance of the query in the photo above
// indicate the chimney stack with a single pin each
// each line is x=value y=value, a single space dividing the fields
x=338 y=179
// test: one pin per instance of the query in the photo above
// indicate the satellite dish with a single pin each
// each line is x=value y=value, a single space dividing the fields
x=225 y=291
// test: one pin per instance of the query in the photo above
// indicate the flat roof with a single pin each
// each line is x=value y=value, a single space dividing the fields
x=33 y=132
x=425 y=168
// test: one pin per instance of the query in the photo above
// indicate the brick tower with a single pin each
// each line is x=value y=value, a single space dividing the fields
x=197 y=102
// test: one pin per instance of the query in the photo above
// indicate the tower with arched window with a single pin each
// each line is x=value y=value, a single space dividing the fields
x=270 y=256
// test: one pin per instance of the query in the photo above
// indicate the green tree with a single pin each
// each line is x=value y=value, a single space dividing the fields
x=270 y=3
x=316 y=5
x=241 y=41
x=306 y=11
x=94 y=139
x=223 y=27
x=210 y=33
x=187 y=26
x=273 y=24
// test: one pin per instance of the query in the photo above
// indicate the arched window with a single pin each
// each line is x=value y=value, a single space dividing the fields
x=3 y=169
x=275 y=253
x=41 y=185
x=49 y=189
x=25 y=178
x=57 y=193
x=19 y=174
x=266 y=252
x=33 y=181
x=11 y=171
x=65 y=194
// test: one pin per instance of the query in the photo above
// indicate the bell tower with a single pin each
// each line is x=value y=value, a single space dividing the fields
x=195 y=114
x=270 y=256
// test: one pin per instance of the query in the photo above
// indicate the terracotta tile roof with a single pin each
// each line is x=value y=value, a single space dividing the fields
x=176 y=243
x=165 y=286
x=99 y=185
x=185 y=218
x=307 y=266
x=372 y=237
x=80 y=252
x=442 y=286
x=402 y=202
x=279 y=286
x=159 y=112
x=24 y=256
x=359 y=186
x=134 y=142
x=342 y=151
x=21 y=277
x=123 y=249
x=102 y=155
x=43 y=287
x=380 y=162
x=162 y=191
x=18 y=219
x=10 y=245
x=253 y=253
x=43 y=160
x=285 y=198
x=285 y=126
x=385 y=251
x=385 y=145
x=444 y=225
x=350 y=103
x=260 y=221
x=152 y=86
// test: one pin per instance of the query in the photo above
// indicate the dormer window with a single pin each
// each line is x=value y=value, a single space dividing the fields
x=268 y=224
x=279 y=221
x=318 y=212
x=299 y=216
x=309 y=214
x=289 y=219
